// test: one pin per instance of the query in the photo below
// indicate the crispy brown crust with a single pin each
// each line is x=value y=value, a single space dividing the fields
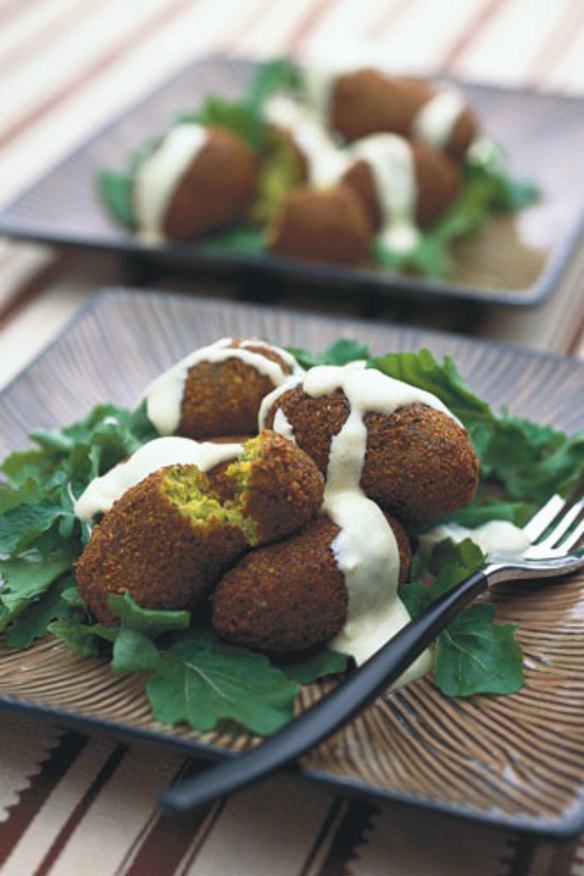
x=144 y=545
x=323 y=225
x=285 y=489
x=369 y=102
x=216 y=189
x=430 y=469
x=438 y=182
x=463 y=133
x=438 y=178
x=291 y=595
x=223 y=398
x=419 y=462
x=285 y=597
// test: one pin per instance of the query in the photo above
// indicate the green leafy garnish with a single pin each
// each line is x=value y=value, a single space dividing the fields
x=115 y=190
x=246 y=240
x=193 y=675
x=203 y=681
x=235 y=116
x=340 y=353
x=148 y=622
x=273 y=77
x=486 y=189
x=316 y=664
x=476 y=655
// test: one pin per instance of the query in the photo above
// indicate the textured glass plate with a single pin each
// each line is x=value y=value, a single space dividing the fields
x=516 y=261
x=515 y=761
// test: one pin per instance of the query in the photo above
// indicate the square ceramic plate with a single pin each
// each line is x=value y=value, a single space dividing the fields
x=515 y=761
x=513 y=261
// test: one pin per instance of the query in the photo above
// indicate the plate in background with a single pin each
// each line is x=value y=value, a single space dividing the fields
x=514 y=261
x=516 y=761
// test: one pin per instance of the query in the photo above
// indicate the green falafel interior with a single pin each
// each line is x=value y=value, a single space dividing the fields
x=195 y=677
x=190 y=491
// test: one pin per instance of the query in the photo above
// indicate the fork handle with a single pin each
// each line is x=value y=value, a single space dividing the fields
x=333 y=710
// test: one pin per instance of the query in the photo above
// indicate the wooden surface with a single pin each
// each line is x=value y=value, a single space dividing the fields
x=71 y=802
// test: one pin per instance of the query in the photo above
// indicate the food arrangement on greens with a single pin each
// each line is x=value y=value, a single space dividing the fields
x=132 y=536
x=351 y=166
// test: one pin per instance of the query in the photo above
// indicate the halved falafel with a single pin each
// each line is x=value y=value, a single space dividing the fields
x=168 y=539
x=274 y=483
x=165 y=542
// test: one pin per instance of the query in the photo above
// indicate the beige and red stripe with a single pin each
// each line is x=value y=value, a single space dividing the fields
x=71 y=804
x=88 y=807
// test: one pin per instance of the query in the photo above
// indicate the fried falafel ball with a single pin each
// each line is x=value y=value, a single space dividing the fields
x=169 y=538
x=291 y=595
x=328 y=225
x=436 y=176
x=198 y=180
x=368 y=102
x=419 y=462
x=222 y=398
x=217 y=390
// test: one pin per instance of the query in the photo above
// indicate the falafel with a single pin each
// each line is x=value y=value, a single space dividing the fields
x=368 y=101
x=418 y=461
x=290 y=596
x=435 y=181
x=197 y=180
x=169 y=537
x=216 y=390
x=329 y=225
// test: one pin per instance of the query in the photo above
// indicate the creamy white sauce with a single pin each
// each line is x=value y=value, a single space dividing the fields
x=164 y=395
x=283 y=426
x=102 y=492
x=486 y=152
x=365 y=549
x=435 y=120
x=498 y=537
x=159 y=175
x=391 y=161
x=325 y=161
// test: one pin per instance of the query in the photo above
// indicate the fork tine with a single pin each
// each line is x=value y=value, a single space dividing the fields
x=564 y=524
x=574 y=537
x=543 y=518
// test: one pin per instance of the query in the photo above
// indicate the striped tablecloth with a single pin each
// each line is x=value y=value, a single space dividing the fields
x=75 y=804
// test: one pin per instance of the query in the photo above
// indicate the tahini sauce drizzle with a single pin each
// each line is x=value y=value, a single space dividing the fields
x=158 y=177
x=325 y=161
x=499 y=537
x=391 y=161
x=102 y=492
x=435 y=120
x=164 y=395
x=365 y=549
